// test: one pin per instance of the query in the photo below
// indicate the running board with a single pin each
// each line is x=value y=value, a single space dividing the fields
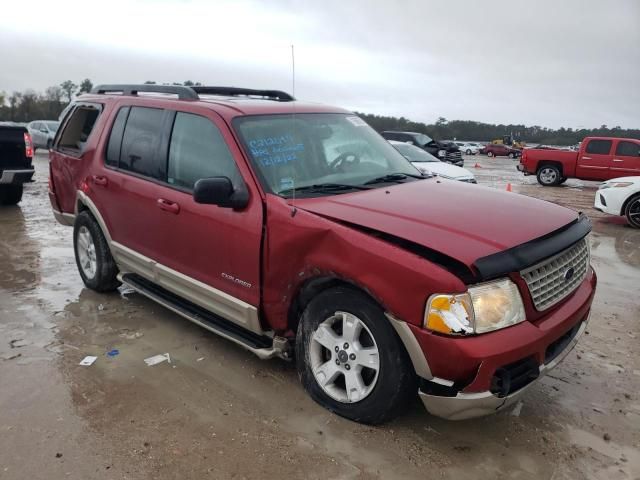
x=263 y=346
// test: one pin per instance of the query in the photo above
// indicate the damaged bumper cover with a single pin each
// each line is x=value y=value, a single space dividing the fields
x=477 y=404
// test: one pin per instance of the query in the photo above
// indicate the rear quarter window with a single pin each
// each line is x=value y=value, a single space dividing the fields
x=78 y=128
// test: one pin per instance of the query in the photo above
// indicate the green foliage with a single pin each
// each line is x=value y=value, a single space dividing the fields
x=470 y=130
x=85 y=86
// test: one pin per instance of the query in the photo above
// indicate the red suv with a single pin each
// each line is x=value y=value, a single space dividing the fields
x=497 y=150
x=297 y=231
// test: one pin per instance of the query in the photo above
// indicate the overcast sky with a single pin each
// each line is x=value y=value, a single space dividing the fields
x=550 y=63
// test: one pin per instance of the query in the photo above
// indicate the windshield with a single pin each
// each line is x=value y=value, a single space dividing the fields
x=53 y=126
x=423 y=139
x=414 y=154
x=292 y=152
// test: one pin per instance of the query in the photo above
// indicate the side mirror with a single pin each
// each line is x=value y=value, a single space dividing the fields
x=219 y=191
x=44 y=130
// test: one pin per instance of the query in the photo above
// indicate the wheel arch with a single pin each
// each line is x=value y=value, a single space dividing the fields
x=84 y=203
x=314 y=286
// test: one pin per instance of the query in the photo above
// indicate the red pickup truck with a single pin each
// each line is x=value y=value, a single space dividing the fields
x=599 y=158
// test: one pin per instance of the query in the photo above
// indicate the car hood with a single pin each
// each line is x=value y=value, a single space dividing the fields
x=444 y=169
x=460 y=220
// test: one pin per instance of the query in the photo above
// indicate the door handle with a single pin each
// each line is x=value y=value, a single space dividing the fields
x=99 y=180
x=586 y=158
x=168 y=206
x=617 y=160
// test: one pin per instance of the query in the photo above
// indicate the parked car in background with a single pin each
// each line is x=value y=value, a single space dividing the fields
x=42 y=133
x=497 y=150
x=445 y=151
x=468 y=148
x=598 y=158
x=16 y=152
x=287 y=226
x=620 y=196
x=427 y=163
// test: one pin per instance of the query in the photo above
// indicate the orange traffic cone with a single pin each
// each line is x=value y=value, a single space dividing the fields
x=477 y=165
x=508 y=187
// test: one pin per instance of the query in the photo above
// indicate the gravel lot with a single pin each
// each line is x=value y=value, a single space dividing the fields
x=218 y=412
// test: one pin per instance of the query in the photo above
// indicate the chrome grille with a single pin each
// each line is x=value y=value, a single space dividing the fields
x=550 y=281
x=453 y=156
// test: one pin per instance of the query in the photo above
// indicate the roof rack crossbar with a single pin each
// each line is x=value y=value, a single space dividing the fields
x=183 y=93
x=236 y=91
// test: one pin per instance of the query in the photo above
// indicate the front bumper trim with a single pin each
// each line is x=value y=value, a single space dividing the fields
x=471 y=405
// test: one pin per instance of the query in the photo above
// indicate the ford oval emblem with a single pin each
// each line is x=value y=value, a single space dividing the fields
x=568 y=275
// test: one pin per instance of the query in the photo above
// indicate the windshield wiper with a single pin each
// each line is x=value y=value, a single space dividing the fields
x=323 y=187
x=393 y=177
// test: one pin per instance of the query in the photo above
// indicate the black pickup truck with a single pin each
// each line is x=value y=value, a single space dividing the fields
x=16 y=168
x=445 y=151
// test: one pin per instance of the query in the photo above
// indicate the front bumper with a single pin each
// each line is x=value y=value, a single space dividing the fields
x=486 y=373
x=16 y=177
x=470 y=405
x=610 y=200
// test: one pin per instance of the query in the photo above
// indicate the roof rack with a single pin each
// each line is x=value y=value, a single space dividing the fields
x=191 y=93
x=183 y=93
x=248 y=92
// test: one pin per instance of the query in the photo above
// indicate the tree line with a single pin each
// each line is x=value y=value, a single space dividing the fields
x=31 y=105
x=470 y=130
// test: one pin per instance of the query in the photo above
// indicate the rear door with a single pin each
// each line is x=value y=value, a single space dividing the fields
x=127 y=184
x=626 y=160
x=594 y=161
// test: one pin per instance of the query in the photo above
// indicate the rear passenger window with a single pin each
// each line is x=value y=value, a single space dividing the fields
x=78 y=128
x=628 y=149
x=141 y=141
x=115 y=139
x=599 y=147
x=197 y=150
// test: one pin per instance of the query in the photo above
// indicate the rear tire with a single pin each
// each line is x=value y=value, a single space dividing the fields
x=350 y=359
x=10 y=194
x=512 y=155
x=632 y=211
x=549 y=175
x=490 y=154
x=93 y=257
x=468 y=152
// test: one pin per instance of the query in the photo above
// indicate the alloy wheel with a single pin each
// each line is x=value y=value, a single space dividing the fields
x=344 y=358
x=633 y=213
x=86 y=252
x=548 y=175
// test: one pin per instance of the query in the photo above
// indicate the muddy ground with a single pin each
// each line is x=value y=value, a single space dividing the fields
x=218 y=412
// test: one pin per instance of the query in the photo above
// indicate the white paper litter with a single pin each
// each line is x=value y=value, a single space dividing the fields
x=88 y=360
x=156 y=359
x=200 y=359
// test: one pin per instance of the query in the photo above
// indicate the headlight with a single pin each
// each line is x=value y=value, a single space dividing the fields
x=615 y=185
x=485 y=307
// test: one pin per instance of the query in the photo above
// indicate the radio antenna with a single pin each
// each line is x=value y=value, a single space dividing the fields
x=293 y=128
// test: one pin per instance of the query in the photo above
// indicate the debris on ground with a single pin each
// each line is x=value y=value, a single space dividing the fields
x=517 y=409
x=156 y=359
x=88 y=361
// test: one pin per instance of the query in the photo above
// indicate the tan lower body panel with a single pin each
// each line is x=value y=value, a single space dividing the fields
x=203 y=295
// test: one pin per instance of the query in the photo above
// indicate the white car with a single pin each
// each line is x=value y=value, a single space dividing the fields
x=468 y=148
x=427 y=163
x=620 y=196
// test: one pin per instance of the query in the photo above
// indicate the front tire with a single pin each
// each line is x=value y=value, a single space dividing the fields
x=93 y=257
x=632 y=211
x=490 y=154
x=11 y=194
x=468 y=152
x=350 y=359
x=549 y=175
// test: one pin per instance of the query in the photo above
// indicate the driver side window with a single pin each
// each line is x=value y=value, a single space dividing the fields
x=197 y=150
